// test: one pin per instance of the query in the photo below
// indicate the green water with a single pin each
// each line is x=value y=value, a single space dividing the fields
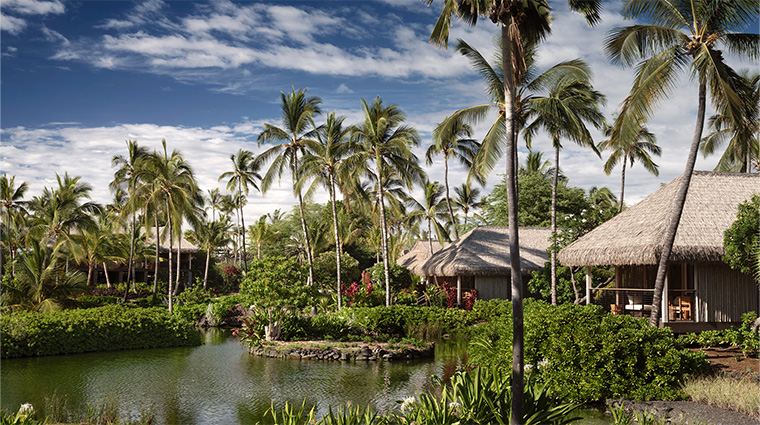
x=218 y=382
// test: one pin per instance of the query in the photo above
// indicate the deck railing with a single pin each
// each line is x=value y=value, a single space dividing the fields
x=631 y=301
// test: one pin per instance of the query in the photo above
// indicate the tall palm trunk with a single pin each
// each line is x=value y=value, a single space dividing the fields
x=242 y=222
x=554 y=223
x=179 y=262
x=383 y=232
x=10 y=246
x=303 y=221
x=448 y=197
x=171 y=247
x=337 y=238
x=518 y=395
x=622 y=184
x=205 y=272
x=155 y=265
x=430 y=235
x=90 y=267
x=675 y=216
x=131 y=266
x=108 y=279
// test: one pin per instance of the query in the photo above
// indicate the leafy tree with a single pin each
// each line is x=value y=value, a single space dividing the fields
x=298 y=112
x=534 y=209
x=742 y=239
x=210 y=236
x=431 y=209
x=682 y=33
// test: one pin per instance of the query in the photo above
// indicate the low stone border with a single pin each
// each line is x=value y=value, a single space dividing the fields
x=357 y=354
x=685 y=412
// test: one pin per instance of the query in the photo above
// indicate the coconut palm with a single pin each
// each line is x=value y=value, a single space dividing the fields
x=740 y=135
x=260 y=231
x=170 y=182
x=682 y=34
x=243 y=175
x=453 y=140
x=11 y=200
x=126 y=176
x=563 y=114
x=467 y=199
x=323 y=164
x=210 y=236
x=627 y=151
x=431 y=209
x=214 y=201
x=298 y=112
x=42 y=284
x=386 y=148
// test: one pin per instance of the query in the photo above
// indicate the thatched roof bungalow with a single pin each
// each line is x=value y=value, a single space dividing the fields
x=418 y=254
x=480 y=260
x=701 y=291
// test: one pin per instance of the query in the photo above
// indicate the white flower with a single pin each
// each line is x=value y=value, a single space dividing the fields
x=543 y=363
x=407 y=404
x=26 y=409
x=583 y=221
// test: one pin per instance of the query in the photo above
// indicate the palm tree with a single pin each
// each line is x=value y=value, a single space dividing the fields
x=259 y=231
x=467 y=198
x=214 y=201
x=431 y=209
x=453 y=140
x=602 y=198
x=522 y=23
x=740 y=136
x=625 y=151
x=171 y=182
x=563 y=113
x=298 y=112
x=42 y=283
x=386 y=141
x=126 y=175
x=323 y=163
x=210 y=236
x=11 y=199
x=682 y=33
x=244 y=174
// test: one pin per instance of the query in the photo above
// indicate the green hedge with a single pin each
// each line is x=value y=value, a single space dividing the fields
x=96 y=329
x=409 y=320
x=586 y=355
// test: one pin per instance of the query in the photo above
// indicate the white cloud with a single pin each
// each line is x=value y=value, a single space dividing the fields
x=343 y=89
x=14 y=24
x=11 y=24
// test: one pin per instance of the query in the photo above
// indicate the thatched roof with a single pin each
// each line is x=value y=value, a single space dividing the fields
x=484 y=251
x=417 y=255
x=186 y=245
x=635 y=235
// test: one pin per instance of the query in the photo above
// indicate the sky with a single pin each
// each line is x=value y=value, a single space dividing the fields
x=80 y=78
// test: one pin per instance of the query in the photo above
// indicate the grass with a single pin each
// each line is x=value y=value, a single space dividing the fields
x=740 y=394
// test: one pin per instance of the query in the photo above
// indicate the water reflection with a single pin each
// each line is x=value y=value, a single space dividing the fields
x=217 y=383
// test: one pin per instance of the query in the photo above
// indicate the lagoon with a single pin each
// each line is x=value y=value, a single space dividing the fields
x=219 y=382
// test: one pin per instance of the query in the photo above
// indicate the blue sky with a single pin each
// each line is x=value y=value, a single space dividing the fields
x=80 y=78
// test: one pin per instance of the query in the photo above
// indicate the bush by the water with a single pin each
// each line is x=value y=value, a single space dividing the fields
x=586 y=355
x=408 y=320
x=94 y=329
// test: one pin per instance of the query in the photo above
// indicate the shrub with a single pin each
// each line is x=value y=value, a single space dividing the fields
x=742 y=337
x=408 y=321
x=95 y=329
x=231 y=276
x=276 y=281
x=194 y=295
x=324 y=270
x=584 y=354
x=358 y=295
x=400 y=276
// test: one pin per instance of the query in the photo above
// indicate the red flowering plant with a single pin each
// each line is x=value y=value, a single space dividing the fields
x=469 y=299
x=358 y=295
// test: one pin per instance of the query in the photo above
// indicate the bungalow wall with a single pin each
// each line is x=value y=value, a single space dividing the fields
x=493 y=287
x=724 y=294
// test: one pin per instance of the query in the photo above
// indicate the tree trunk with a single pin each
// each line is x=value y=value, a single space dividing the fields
x=303 y=221
x=108 y=279
x=205 y=272
x=131 y=266
x=622 y=184
x=89 y=273
x=337 y=238
x=554 y=223
x=669 y=236
x=10 y=246
x=448 y=198
x=179 y=262
x=518 y=395
x=155 y=265
x=171 y=246
x=242 y=222
x=383 y=233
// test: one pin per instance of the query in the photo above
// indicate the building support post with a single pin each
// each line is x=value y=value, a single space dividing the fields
x=459 y=290
x=588 y=285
